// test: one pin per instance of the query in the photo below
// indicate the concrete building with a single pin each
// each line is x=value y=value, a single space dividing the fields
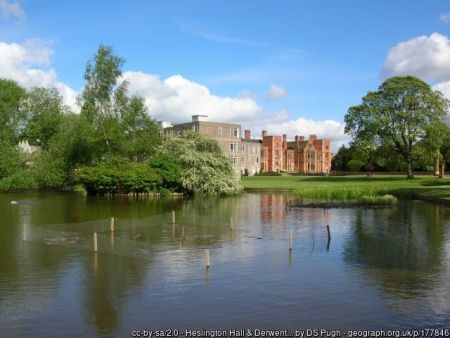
x=244 y=154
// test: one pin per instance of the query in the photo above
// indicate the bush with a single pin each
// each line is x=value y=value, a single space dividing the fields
x=119 y=179
x=21 y=180
x=169 y=170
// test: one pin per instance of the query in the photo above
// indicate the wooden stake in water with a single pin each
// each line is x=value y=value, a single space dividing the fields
x=231 y=223
x=173 y=216
x=24 y=233
x=207 y=260
x=111 y=224
x=290 y=240
x=95 y=242
x=328 y=230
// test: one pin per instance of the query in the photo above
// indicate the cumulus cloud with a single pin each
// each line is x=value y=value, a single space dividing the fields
x=276 y=92
x=29 y=65
x=176 y=98
x=282 y=122
x=427 y=57
x=445 y=17
x=443 y=87
x=11 y=10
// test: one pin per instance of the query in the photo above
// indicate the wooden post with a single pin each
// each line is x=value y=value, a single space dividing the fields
x=111 y=224
x=182 y=232
x=95 y=242
x=290 y=204
x=24 y=233
x=290 y=240
x=173 y=216
x=328 y=230
x=231 y=223
x=286 y=206
x=207 y=260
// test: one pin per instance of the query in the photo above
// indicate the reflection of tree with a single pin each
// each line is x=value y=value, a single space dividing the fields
x=108 y=279
x=401 y=250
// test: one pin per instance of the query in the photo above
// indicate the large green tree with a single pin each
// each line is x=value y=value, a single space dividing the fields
x=11 y=116
x=44 y=111
x=397 y=116
x=121 y=120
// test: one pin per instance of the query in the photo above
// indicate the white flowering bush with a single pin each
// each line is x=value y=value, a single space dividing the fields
x=205 y=170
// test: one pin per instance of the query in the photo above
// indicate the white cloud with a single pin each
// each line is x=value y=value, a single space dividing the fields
x=443 y=87
x=11 y=10
x=276 y=92
x=281 y=122
x=427 y=57
x=445 y=17
x=176 y=98
x=29 y=65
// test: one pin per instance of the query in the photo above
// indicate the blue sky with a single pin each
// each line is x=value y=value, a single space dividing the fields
x=319 y=57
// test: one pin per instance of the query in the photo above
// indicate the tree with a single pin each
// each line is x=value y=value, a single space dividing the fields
x=11 y=116
x=438 y=135
x=44 y=110
x=205 y=170
x=122 y=121
x=397 y=115
x=97 y=101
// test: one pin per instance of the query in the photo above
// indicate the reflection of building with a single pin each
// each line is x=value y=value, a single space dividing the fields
x=243 y=153
x=303 y=156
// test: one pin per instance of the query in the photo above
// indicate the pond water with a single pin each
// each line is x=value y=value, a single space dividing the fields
x=382 y=269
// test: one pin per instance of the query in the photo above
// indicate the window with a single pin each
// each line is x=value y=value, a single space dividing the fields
x=234 y=147
x=243 y=147
x=235 y=160
x=229 y=132
x=236 y=132
x=219 y=131
x=257 y=159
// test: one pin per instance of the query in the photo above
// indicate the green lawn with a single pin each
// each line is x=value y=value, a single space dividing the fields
x=352 y=187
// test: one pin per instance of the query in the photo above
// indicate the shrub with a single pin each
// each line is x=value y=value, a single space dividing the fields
x=124 y=178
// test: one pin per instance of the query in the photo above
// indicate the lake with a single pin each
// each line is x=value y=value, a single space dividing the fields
x=381 y=269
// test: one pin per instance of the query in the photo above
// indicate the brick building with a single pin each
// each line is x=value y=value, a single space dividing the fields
x=304 y=156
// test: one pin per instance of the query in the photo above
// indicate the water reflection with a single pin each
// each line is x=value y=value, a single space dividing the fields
x=149 y=270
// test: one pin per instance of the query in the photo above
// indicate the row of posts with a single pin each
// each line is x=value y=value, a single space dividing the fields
x=207 y=256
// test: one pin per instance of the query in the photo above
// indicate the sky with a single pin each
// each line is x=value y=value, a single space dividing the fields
x=289 y=67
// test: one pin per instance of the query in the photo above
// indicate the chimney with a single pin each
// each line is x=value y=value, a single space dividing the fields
x=296 y=138
x=284 y=138
x=312 y=137
x=264 y=133
x=247 y=134
x=302 y=138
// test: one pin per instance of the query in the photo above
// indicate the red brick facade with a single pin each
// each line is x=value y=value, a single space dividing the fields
x=303 y=156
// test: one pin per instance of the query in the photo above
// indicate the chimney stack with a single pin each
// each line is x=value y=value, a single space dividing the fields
x=247 y=134
x=264 y=133
x=296 y=138
x=284 y=138
x=312 y=137
x=302 y=138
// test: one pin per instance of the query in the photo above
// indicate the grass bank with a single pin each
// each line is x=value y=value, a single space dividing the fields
x=357 y=188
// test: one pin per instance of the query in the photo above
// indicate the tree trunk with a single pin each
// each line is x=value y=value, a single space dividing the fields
x=410 y=174
x=436 y=167
x=442 y=174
